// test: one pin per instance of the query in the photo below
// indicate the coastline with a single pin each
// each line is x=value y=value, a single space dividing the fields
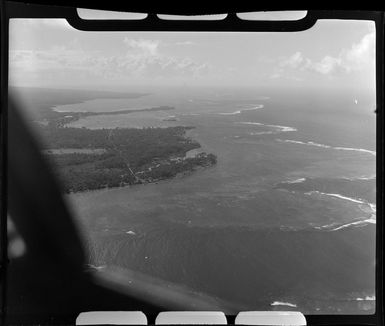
x=165 y=180
x=110 y=158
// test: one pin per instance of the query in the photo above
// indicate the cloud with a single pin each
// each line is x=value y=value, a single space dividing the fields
x=326 y=66
x=162 y=66
x=145 y=47
x=359 y=57
x=141 y=60
x=360 y=54
x=32 y=60
x=293 y=61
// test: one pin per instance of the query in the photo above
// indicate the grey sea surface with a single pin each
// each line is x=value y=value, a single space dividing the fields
x=284 y=221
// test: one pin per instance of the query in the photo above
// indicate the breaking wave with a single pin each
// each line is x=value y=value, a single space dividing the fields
x=365 y=222
x=354 y=200
x=336 y=226
x=310 y=143
x=372 y=177
x=279 y=303
x=259 y=106
x=299 y=180
x=367 y=298
x=278 y=128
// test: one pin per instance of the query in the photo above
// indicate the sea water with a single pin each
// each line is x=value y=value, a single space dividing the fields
x=284 y=221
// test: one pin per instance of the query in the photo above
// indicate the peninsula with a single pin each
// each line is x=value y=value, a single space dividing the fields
x=87 y=159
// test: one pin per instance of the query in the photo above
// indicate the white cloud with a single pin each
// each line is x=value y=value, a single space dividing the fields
x=31 y=60
x=360 y=54
x=358 y=58
x=141 y=60
x=162 y=66
x=326 y=66
x=145 y=47
x=293 y=61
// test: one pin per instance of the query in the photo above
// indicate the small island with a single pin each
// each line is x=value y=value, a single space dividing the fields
x=87 y=159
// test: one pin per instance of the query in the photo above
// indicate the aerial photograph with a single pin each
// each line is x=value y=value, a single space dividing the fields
x=241 y=166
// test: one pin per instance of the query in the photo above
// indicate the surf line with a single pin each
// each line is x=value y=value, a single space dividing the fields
x=310 y=143
x=279 y=303
x=259 y=106
x=278 y=128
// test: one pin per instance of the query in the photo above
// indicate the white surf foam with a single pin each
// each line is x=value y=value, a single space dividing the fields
x=346 y=198
x=262 y=133
x=259 y=106
x=373 y=207
x=299 y=180
x=354 y=200
x=362 y=222
x=279 y=303
x=278 y=128
x=335 y=227
x=251 y=123
x=282 y=128
x=310 y=143
x=230 y=113
x=356 y=223
x=367 y=298
x=372 y=177
x=356 y=150
x=327 y=226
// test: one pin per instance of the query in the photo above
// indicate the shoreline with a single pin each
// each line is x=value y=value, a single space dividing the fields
x=165 y=180
x=121 y=165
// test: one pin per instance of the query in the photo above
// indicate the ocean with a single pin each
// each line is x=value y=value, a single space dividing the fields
x=285 y=220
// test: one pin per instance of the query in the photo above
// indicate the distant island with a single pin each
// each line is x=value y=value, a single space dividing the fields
x=59 y=119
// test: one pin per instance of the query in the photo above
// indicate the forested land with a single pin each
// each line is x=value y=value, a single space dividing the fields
x=131 y=156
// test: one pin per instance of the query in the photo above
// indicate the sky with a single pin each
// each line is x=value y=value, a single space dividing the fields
x=332 y=54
